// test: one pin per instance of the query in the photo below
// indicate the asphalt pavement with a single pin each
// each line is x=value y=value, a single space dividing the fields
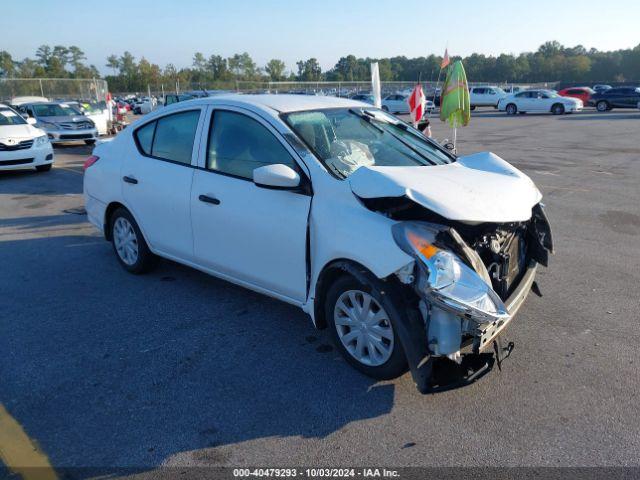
x=104 y=369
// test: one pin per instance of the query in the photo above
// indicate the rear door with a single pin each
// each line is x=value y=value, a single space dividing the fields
x=156 y=180
x=615 y=97
x=253 y=235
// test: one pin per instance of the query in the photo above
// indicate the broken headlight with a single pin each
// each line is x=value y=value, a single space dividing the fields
x=444 y=278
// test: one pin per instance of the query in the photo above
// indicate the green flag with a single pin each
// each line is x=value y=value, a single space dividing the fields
x=454 y=102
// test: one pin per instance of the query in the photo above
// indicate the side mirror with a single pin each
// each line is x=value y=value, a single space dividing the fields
x=276 y=176
x=31 y=120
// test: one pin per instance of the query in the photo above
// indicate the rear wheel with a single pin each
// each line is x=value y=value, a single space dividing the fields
x=385 y=108
x=130 y=246
x=602 y=106
x=557 y=109
x=511 y=109
x=362 y=323
x=44 y=168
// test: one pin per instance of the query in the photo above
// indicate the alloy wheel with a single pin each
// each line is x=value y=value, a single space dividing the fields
x=364 y=328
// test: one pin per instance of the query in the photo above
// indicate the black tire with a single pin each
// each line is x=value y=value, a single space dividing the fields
x=511 y=109
x=396 y=364
x=557 y=109
x=603 y=106
x=90 y=142
x=44 y=168
x=473 y=107
x=145 y=260
x=385 y=108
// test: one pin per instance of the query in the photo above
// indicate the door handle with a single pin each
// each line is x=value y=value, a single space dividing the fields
x=130 y=180
x=207 y=199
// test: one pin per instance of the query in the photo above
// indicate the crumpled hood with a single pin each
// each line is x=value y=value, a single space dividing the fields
x=474 y=189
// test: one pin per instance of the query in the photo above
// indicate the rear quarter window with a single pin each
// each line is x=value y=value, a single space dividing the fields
x=144 y=137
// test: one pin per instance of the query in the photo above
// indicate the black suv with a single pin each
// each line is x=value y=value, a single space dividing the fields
x=617 y=97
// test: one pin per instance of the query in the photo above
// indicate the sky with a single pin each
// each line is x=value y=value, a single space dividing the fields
x=166 y=31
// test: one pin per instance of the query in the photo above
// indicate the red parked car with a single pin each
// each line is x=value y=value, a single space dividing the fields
x=583 y=93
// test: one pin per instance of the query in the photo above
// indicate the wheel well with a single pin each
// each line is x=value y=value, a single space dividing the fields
x=112 y=207
x=339 y=268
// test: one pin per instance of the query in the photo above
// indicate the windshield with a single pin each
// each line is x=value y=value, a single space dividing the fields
x=346 y=139
x=9 y=117
x=54 y=110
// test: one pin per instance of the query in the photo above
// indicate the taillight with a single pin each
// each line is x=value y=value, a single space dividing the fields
x=90 y=161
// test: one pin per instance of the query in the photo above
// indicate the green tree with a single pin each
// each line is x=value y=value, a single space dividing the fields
x=113 y=62
x=275 y=69
x=7 y=65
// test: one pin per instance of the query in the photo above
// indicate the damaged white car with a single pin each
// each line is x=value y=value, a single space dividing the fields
x=410 y=255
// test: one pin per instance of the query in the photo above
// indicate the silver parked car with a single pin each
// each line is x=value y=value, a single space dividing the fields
x=61 y=121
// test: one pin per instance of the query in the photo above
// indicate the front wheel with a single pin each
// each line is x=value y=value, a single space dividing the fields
x=362 y=323
x=557 y=109
x=128 y=243
x=511 y=109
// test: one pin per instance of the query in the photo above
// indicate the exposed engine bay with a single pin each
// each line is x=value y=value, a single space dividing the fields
x=504 y=248
x=496 y=260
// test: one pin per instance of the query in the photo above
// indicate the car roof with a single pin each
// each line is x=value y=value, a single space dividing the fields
x=282 y=103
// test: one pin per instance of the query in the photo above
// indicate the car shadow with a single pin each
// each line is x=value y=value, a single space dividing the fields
x=106 y=369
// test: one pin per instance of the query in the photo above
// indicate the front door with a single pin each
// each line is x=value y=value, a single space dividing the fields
x=254 y=235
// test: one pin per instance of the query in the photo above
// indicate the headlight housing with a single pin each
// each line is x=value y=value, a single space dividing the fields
x=40 y=141
x=447 y=281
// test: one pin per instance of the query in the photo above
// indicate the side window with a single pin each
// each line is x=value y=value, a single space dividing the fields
x=239 y=144
x=144 y=135
x=170 y=137
x=170 y=99
x=174 y=136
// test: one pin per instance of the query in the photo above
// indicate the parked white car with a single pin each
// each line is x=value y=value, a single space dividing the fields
x=535 y=101
x=21 y=144
x=407 y=253
x=396 y=103
x=485 y=96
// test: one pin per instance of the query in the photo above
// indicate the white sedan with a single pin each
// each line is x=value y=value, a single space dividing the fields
x=539 y=101
x=21 y=144
x=405 y=252
x=396 y=103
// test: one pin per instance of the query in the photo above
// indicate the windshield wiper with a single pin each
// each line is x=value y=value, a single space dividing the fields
x=366 y=118
x=411 y=147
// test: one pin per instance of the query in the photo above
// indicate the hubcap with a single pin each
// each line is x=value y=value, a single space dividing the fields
x=363 y=327
x=125 y=241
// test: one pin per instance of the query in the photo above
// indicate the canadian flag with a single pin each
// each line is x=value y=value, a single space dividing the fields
x=417 y=102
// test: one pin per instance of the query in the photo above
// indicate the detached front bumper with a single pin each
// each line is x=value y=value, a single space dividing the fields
x=487 y=332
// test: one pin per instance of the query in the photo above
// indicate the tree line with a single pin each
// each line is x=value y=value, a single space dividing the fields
x=551 y=62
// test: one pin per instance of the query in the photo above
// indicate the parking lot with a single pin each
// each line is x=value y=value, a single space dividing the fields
x=102 y=368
